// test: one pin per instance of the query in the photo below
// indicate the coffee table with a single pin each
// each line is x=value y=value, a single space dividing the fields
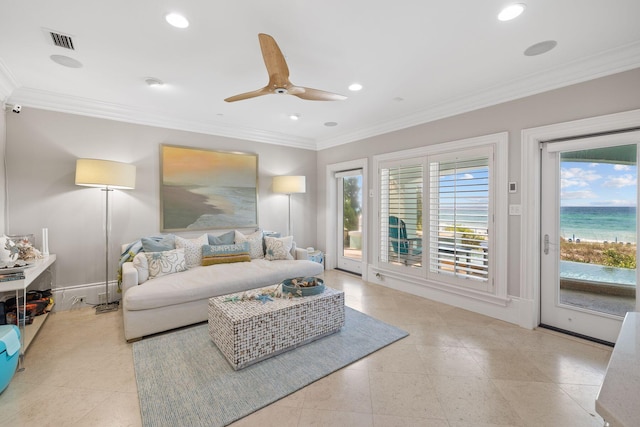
x=247 y=332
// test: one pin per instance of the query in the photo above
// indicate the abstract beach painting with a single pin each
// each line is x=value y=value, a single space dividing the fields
x=204 y=189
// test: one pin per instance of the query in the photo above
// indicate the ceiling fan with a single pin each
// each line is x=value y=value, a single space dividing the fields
x=279 y=77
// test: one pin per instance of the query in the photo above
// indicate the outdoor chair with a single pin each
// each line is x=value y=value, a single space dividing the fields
x=405 y=250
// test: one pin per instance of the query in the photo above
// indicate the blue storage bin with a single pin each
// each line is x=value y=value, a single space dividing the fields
x=9 y=353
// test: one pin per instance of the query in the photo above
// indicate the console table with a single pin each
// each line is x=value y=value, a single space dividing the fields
x=28 y=332
x=617 y=401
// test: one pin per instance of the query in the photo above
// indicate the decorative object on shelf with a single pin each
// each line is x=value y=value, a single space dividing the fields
x=289 y=185
x=22 y=247
x=303 y=286
x=107 y=175
x=45 y=241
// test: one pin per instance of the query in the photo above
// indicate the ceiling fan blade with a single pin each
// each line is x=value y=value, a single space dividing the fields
x=247 y=95
x=314 y=94
x=274 y=61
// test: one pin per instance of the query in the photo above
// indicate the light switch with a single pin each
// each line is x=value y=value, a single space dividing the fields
x=515 y=210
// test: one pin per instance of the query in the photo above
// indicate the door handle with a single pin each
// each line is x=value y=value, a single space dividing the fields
x=546 y=244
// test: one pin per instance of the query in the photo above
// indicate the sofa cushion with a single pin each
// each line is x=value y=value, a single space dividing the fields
x=167 y=243
x=224 y=254
x=165 y=263
x=278 y=248
x=192 y=249
x=255 y=243
x=224 y=239
x=142 y=266
x=205 y=282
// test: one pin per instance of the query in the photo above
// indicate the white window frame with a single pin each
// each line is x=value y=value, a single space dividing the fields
x=499 y=142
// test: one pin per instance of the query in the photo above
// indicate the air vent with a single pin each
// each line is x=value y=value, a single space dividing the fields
x=62 y=40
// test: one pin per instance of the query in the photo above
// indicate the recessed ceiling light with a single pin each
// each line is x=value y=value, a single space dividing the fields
x=294 y=116
x=154 y=82
x=540 y=48
x=512 y=11
x=354 y=87
x=177 y=20
x=331 y=124
x=66 y=61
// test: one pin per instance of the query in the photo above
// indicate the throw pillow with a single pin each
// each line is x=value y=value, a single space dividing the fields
x=142 y=266
x=166 y=262
x=192 y=249
x=278 y=248
x=225 y=254
x=223 y=239
x=151 y=244
x=255 y=243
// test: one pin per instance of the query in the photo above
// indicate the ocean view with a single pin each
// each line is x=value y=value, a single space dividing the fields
x=598 y=223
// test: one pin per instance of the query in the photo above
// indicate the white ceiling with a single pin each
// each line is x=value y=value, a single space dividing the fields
x=419 y=60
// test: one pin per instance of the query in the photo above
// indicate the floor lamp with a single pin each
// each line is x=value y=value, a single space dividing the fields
x=108 y=176
x=289 y=185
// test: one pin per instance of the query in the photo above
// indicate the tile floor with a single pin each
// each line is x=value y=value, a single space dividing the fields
x=456 y=369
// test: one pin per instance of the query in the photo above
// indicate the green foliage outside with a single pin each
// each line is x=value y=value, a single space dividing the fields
x=469 y=237
x=352 y=206
x=613 y=258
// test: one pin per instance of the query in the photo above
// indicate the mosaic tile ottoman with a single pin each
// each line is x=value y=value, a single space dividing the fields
x=247 y=332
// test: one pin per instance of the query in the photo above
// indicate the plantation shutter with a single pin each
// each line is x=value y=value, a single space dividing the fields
x=401 y=188
x=460 y=218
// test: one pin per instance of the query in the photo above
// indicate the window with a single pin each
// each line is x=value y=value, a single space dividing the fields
x=459 y=218
x=401 y=214
x=457 y=242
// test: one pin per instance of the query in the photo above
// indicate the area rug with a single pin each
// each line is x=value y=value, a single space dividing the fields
x=183 y=379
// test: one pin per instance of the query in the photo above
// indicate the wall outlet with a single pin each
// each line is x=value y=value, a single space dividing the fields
x=102 y=298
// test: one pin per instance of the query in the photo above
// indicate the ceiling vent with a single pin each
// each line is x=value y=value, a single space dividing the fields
x=62 y=40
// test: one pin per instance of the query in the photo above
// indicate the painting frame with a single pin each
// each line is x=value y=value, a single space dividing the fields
x=204 y=189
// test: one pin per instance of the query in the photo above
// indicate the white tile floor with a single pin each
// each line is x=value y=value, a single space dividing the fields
x=456 y=369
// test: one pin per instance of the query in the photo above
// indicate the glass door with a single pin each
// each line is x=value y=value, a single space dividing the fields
x=350 y=232
x=589 y=234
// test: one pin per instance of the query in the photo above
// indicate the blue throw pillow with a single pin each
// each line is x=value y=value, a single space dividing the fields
x=223 y=239
x=167 y=243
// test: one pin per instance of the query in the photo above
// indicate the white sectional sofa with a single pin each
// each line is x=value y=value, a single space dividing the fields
x=181 y=299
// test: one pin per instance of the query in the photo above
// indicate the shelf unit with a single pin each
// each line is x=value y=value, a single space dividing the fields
x=29 y=332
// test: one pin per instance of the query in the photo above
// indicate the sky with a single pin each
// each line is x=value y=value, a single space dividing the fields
x=598 y=184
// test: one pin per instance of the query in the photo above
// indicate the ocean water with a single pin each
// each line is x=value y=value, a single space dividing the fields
x=598 y=223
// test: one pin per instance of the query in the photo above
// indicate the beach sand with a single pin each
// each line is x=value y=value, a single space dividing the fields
x=182 y=207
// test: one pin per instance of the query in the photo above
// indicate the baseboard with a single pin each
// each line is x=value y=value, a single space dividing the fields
x=514 y=311
x=68 y=298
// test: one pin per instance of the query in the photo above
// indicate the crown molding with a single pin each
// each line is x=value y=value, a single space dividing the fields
x=606 y=63
x=609 y=62
x=104 y=110
x=8 y=83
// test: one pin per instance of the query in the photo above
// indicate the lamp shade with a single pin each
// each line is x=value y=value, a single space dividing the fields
x=289 y=184
x=105 y=173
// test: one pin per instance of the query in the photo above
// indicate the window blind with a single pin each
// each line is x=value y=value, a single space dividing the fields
x=459 y=214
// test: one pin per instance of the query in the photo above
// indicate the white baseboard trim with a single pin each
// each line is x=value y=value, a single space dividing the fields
x=515 y=311
x=65 y=297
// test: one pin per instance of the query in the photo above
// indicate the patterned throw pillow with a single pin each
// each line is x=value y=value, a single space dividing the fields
x=255 y=243
x=141 y=265
x=225 y=254
x=192 y=249
x=278 y=248
x=166 y=262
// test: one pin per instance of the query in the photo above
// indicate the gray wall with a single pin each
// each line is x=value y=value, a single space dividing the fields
x=608 y=95
x=42 y=147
